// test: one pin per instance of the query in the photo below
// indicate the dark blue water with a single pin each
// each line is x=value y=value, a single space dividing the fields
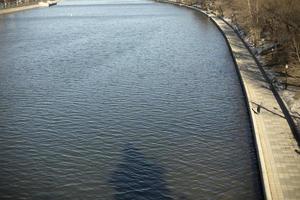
x=121 y=100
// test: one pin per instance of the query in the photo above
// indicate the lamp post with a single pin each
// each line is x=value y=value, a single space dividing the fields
x=286 y=78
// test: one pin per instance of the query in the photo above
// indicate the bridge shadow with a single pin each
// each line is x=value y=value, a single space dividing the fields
x=137 y=178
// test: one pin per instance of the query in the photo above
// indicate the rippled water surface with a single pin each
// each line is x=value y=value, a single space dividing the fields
x=121 y=100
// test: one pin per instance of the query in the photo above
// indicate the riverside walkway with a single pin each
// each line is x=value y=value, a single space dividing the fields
x=276 y=146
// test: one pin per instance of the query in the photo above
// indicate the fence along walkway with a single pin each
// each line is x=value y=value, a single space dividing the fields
x=276 y=145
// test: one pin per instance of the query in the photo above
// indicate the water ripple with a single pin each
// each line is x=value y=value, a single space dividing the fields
x=133 y=101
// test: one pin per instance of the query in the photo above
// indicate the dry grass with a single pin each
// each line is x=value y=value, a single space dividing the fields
x=266 y=22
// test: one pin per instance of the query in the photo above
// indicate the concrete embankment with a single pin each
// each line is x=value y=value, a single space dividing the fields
x=275 y=141
x=28 y=7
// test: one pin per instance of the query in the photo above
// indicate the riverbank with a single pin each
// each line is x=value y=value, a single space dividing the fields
x=272 y=34
x=18 y=9
x=28 y=7
x=275 y=141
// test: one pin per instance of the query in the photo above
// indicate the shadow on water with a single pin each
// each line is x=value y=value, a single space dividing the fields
x=137 y=177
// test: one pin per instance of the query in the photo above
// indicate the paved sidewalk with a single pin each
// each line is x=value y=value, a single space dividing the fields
x=276 y=145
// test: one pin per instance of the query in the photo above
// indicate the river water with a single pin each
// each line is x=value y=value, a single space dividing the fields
x=121 y=100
